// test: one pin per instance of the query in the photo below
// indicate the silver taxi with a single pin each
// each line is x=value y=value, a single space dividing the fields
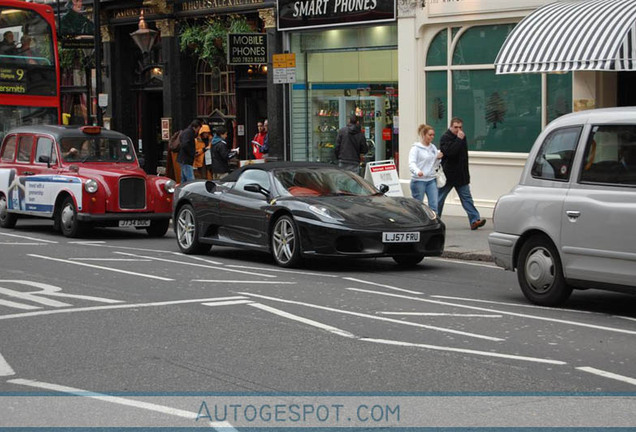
x=570 y=223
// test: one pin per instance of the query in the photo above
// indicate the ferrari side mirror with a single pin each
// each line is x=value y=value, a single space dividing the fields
x=383 y=188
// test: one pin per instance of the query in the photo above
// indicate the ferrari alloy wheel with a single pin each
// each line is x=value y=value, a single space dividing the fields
x=68 y=222
x=158 y=228
x=408 y=260
x=540 y=273
x=187 y=232
x=285 y=242
x=7 y=220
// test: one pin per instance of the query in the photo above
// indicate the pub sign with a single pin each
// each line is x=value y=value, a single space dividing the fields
x=303 y=14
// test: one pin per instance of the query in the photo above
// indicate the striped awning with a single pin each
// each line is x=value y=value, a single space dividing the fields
x=593 y=35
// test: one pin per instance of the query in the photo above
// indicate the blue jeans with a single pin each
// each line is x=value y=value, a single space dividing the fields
x=187 y=173
x=428 y=188
x=464 y=196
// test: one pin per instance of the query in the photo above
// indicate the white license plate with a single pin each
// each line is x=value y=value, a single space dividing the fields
x=134 y=223
x=400 y=237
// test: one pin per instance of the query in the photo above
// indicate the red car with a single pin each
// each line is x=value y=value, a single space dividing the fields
x=80 y=177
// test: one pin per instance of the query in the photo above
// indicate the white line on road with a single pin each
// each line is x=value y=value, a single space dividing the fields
x=15 y=305
x=228 y=303
x=522 y=305
x=28 y=238
x=101 y=267
x=307 y=321
x=223 y=426
x=5 y=369
x=606 y=374
x=87 y=242
x=204 y=260
x=243 y=282
x=520 y=315
x=33 y=297
x=110 y=259
x=113 y=307
x=283 y=271
x=435 y=314
x=196 y=265
x=23 y=243
x=383 y=286
x=363 y=315
x=465 y=351
x=469 y=263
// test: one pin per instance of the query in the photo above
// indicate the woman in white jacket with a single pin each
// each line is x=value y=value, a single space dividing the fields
x=423 y=159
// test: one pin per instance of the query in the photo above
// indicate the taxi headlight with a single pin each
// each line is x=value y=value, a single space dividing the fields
x=91 y=186
x=169 y=186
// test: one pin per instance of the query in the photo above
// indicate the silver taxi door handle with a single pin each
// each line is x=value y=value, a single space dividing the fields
x=573 y=214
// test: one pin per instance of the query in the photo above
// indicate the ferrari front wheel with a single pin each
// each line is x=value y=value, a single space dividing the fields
x=285 y=242
x=187 y=232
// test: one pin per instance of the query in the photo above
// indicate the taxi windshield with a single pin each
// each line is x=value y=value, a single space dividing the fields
x=96 y=149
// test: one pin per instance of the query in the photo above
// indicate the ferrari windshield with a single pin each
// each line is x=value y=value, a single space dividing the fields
x=96 y=149
x=322 y=182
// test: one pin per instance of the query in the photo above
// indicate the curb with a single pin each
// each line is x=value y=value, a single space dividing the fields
x=468 y=256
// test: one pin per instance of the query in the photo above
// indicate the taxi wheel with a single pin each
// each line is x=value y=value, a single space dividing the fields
x=158 y=228
x=7 y=220
x=408 y=260
x=285 y=242
x=540 y=273
x=187 y=232
x=67 y=219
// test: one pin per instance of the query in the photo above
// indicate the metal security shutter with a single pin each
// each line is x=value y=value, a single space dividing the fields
x=594 y=35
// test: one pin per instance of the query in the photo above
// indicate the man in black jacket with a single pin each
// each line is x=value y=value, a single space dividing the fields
x=350 y=146
x=187 y=150
x=455 y=162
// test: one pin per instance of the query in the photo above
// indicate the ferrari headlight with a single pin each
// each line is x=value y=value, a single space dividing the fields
x=169 y=186
x=91 y=186
x=324 y=212
x=430 y=213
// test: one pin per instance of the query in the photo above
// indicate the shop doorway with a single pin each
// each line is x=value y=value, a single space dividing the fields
x=150 y=110
x=626 y=89
x=255 y=106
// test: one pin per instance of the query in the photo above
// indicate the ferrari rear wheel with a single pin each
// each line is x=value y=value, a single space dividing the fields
x=408 y=260
x=285 y=242
x=188 y=233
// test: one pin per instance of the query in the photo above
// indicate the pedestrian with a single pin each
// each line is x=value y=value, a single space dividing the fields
x=259 y=141
x=187 y=149
x=201 y=145
x=455 y=163
x=351 y=145
x=221 y=154
x=423 y=160
x=265 y=149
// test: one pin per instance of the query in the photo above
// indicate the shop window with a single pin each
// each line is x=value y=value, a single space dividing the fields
x=559 y=94
x=215 y=89
x=437 y=51
x=437 y=100
x=481 y=44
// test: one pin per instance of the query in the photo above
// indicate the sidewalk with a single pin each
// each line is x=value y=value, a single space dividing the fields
x=462 y=243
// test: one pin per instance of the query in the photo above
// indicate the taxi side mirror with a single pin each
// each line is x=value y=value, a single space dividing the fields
x=45 y=159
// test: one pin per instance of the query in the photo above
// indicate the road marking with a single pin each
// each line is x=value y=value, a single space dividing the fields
x=29 y=238
x=110 y=259
x=228 y=303
x=204 y=260
x=307 y=321
x=5 y=369
x=23 y=244
x=101 y=267
x=469 y=263
x=363 y=315
x=522 y=305
x=383 y=286
x=33 y=298
x=283 y=271
x=435 y=314
x=196 y=265
x=606 y=374
x=520 y=315
x=465 y=351
x=244 y=282
x=112 y=307
x=15 y=305
x=221 y=426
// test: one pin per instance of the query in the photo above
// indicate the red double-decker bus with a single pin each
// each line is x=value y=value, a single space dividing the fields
x=29 y=65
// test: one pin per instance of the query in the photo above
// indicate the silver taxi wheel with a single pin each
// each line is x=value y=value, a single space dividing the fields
x=69 y=224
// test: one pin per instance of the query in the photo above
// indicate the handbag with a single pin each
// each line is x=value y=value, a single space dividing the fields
x=440 y=177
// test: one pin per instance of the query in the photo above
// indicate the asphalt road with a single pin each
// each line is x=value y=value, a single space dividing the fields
x=120 y=312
